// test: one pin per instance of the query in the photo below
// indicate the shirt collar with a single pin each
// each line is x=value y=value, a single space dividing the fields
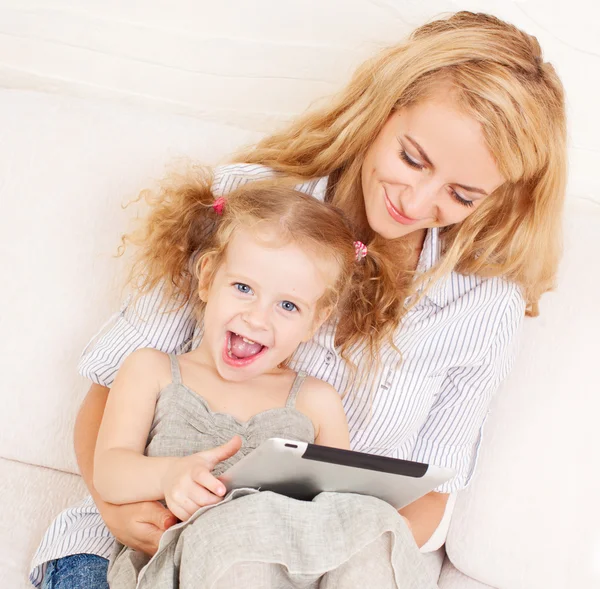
x=430 y=256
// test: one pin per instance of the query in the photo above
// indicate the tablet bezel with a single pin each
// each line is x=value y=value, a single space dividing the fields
x=302 y=471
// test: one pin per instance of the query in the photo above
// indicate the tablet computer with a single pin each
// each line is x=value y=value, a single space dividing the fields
x=302 y=471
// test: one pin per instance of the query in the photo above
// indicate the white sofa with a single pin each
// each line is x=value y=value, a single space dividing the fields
x=530 y=520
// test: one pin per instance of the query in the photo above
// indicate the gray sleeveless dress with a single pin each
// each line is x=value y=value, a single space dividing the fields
x=263 y=540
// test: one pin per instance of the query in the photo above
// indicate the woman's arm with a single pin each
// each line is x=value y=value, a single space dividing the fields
x=451 y=434
x=87 y=425
x=424 y=515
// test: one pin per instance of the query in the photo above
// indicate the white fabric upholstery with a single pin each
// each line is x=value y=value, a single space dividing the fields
x=66 y=167
x=535 y=498
x=31 y=497
x=452 y=578
x=58 y=238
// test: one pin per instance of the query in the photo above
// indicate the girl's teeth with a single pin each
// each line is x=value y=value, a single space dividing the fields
x=248 y=341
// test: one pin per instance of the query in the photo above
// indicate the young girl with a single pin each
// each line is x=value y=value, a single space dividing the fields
x=274 y=264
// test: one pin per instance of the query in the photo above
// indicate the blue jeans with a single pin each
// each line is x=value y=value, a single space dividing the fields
x=80 y=571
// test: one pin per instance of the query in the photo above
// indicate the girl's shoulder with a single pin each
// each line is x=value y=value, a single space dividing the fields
x=317 y=395
x=149 y=363
x=148 y=356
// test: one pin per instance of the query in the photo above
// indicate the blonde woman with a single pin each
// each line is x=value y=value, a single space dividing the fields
x=448 y=154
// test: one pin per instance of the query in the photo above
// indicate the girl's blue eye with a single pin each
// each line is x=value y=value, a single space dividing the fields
x=243 y=288
x=288 y=306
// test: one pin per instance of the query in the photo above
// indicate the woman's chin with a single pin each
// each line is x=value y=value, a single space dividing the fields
x=392 y=230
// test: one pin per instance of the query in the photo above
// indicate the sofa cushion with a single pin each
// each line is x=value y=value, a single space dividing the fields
x=534 y=500
x=452 y=578
x=31 y=497
x=66 y=167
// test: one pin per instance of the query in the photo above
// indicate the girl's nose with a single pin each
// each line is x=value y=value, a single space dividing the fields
x=257 y=317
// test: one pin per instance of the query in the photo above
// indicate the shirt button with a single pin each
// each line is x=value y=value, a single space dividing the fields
x=329 y=358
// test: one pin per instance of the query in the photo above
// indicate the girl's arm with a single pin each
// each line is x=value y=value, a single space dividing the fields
x=137 y=525
x=322 y=403
x=122 y=474
x=144 y=322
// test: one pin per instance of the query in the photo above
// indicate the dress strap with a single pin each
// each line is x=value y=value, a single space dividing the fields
x=175 y=371
x=291 y=400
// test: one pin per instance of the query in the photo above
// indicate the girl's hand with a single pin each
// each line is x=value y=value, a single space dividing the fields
x=188 y=484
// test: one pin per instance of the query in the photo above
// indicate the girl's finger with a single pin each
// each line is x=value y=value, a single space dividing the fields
x=185 y=505
x=220 y=453
x=179 y=512
x=204 y=478
x=203 y=496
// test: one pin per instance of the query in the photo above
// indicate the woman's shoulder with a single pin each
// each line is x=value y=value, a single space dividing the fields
x=228 y=177
x=488 y=306
x=479 y=291
x=502 y=291
x=495 y=304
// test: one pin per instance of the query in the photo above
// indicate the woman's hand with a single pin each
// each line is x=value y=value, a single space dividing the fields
x=137 y=525
x=188 y=484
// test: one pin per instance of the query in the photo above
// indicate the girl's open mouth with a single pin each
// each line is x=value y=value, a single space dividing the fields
x=240 y=351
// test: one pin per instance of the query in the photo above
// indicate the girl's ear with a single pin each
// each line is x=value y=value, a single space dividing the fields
x=320 y=318
x=205 y=277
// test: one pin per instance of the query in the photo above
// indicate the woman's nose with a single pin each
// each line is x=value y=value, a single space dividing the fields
x=419 y=201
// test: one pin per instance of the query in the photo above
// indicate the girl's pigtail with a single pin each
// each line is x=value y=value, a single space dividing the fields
x=374 y=305
x=182 y=222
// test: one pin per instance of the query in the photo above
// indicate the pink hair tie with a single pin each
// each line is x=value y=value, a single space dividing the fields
x=361 y=250
x=219 y=205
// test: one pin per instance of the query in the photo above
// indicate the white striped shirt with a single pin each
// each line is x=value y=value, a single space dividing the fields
x=457 y=346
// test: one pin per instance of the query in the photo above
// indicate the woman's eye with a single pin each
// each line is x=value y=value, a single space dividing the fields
x=288 y=306
x=243 y=288
x=458 y=198
x=411 y=162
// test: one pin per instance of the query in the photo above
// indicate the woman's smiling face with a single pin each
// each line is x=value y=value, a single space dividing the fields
x=428 y=167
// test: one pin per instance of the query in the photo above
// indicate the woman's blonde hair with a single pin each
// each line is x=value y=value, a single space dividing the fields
x=498 y=77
